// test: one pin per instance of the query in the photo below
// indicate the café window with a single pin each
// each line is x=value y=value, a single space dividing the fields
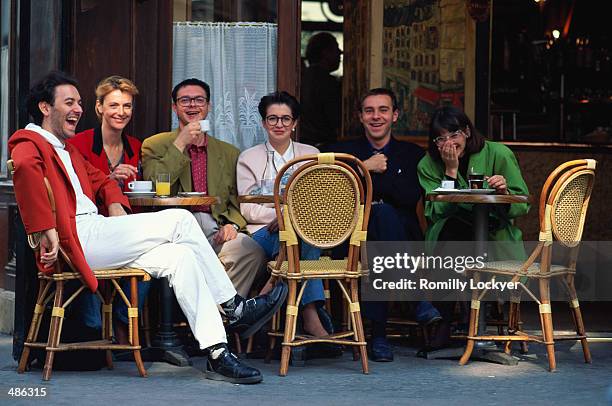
x=232 y=46
x=550 y=71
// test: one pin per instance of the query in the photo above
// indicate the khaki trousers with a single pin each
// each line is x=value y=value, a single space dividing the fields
x=243 y=258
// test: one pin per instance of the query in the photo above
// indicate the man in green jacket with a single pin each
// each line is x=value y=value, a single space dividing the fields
x=197 y=162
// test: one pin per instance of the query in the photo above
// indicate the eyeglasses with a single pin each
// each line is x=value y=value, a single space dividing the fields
x=198 y=101
x=450 y=136
x=285 y=120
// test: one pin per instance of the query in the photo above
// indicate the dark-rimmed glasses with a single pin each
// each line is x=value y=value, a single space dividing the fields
x=198 y=101
x=285 y=120
x=450 y=136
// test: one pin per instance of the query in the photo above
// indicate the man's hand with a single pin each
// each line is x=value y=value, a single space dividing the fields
x=124 y=172
x=116 y=209
x=190 y=134
x=376 y=163
x=225 y=233
x=49 y=247
x=450 y=157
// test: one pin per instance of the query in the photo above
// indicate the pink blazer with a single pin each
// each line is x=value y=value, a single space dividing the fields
x=249 y=170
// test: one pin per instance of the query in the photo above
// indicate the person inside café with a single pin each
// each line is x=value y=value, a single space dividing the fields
x=321 y=92
x=280 y=112
x=117 y=155
x=456 y=149
x=393 y=168
x=167 y=244
x=198 y=162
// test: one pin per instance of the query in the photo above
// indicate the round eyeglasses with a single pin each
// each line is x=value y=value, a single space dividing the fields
x=198 y=101
x=285 y=120
x=450 y=136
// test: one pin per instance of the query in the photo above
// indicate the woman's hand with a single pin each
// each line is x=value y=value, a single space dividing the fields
x=498 y=182
x=273 y=226
x=450 y=157
x=124 y=172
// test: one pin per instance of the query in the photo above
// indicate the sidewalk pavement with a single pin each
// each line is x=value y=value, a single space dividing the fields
x=408 y=380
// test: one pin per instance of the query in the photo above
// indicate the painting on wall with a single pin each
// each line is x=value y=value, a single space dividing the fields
x=424 y=47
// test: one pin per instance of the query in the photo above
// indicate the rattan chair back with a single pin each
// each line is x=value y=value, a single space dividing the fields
x=567 y=192
x=323 y=202
x=324 y=198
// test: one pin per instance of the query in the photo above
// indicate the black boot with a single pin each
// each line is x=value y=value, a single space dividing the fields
x=257 y=311
x=227 y=367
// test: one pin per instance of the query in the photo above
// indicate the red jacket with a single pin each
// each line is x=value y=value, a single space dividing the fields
x=89 y=144
x=35 y=159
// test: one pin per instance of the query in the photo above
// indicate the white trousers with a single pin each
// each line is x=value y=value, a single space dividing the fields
x=169 y=244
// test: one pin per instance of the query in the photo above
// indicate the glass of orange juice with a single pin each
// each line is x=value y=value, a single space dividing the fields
x=162 y=185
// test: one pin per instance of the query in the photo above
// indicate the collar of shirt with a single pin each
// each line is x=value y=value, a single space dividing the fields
x=51 y=139
x=98 y=143
x=202 y=148
x=281 y=160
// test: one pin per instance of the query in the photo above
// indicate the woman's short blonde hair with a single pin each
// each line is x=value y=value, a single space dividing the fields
x=110 y=84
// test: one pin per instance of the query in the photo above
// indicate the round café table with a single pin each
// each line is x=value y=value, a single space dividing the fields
x=482 y=205
x=166 y=345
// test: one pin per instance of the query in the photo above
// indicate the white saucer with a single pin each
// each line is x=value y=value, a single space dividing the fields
x=139 y=194
x=466 y=191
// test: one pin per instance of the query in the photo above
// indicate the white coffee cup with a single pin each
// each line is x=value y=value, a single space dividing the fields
x=205 y=126
x=448 y=184
x=140 y=186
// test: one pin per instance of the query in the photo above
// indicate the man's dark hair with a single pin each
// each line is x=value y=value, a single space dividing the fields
x=44 y=91
x=317 y=44
x=377 y=92
x=191 y=82
x=452 y=119
x=281 y=97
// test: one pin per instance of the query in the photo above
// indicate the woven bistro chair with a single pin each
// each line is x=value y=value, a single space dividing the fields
x=563 y=206
x=324 y=204
x=65 y=272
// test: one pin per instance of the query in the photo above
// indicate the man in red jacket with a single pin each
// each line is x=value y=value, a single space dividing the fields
x=165 y=244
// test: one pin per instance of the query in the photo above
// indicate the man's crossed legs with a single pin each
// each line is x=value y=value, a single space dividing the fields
x=171 y=244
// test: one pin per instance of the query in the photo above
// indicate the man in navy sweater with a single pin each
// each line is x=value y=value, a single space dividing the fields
x=396 y=191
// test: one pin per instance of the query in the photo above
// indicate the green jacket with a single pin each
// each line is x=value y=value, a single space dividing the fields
x=160 y=155
x=493 y=159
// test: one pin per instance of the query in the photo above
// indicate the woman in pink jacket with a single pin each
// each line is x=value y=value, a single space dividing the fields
x=279 y=114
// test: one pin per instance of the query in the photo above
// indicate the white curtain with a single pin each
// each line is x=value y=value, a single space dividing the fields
x=238 y=61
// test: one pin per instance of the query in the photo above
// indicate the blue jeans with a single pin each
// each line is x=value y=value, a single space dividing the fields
x=313 y=292
x=89 y=305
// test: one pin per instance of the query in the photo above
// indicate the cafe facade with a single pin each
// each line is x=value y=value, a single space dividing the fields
x=530 y=74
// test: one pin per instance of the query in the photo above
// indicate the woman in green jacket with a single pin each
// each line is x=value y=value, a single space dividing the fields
x=456 y=148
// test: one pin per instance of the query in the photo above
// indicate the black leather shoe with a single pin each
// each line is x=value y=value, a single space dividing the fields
x=227 y=367
x=258 y=310
x=380 y=351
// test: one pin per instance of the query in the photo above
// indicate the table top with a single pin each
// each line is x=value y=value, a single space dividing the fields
x=256 y=199
x=173 y=201
x=477 y=198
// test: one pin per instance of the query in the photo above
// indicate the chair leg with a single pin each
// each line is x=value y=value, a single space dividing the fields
x=290 y=321
x=473 y=327
x=327 y=295
x=55 y=330
x=271 y=338
x=547 y=324
x=34 y=326
x=358 y=328
x=107 y=321
x=577 y=316
x=134 y=321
